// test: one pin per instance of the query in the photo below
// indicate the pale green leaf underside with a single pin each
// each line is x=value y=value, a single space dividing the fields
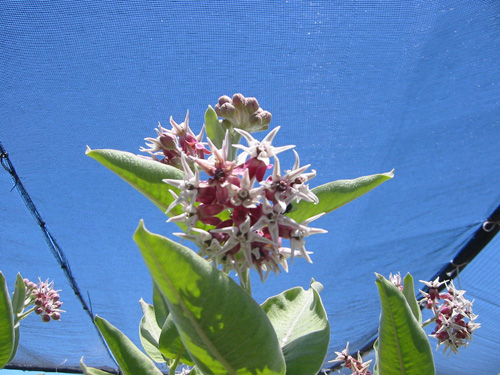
x=409 y=293
x=6 y=323
x=19 y=295
x=302 y=327
x=90 y=370
x=403 y=347
x=149 y=332
x=215 y=131
x=336 y=194
x=144 y=175
x=224 y=330
x=128 y=356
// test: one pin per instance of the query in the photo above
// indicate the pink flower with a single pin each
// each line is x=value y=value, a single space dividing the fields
x=455 y=321
x=45 y=299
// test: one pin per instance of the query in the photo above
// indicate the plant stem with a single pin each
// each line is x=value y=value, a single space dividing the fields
x=171 y=369
x=428 y=321
x=245 y=281
x=23 y=315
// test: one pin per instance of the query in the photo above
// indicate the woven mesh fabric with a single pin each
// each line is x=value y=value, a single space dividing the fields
x=359 y=87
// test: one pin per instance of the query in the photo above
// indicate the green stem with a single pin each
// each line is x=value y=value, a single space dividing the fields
x=245 y=281
x=20 y=317
x=171 y=369
x=234 y=139
x=428 y=321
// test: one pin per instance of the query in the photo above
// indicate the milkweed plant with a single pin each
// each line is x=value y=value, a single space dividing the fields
x=245 y=214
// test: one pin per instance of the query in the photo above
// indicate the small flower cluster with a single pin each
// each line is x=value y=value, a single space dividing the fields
x=396 y=280
x=357 y=366
x=237 y=216
x=45 y=299
x=452 y=314
x=171 y=144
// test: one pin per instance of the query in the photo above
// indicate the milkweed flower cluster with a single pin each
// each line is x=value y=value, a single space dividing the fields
x=232 y=211
x=455 y=321
x=45 y=298
x=356 y=365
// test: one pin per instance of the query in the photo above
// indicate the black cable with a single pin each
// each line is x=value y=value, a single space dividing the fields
x=471 y=249
x=54 y=247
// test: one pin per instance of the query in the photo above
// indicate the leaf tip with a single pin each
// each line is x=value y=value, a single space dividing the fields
x=317 y=286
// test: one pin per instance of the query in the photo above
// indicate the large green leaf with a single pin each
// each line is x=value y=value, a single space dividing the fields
x=403 y=347
x=6 y=324
x=149 y=332
x=143 y=174
x=409 y=293
x=302 y=327
x=224 y=330
x=335 y=194
x=130 y=359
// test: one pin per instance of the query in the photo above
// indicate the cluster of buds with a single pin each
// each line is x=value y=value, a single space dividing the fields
x=242 y=113
x=236 y=216
x=453 y=315
x=356 y=365
x=45 y=299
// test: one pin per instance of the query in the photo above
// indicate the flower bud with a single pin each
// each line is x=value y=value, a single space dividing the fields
x=224 y=99
x=45 y=318
x=167 y=141
x=238 y=100
x=227 y=110
x=252 y=105
x=55 y=316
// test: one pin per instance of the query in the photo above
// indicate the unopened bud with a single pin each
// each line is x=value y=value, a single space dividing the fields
x=227 y=110
x=224 y=99
x=45 y=318
x=55 y=316
x=167 y=141
x=238 y=100
x=252 y=105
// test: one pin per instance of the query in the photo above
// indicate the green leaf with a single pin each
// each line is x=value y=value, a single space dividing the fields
x=16 y=342
x=144 y=175
x=224 y=330
x=90 y=370
x=19 y=295
x=149 y=332
x=409 y=293
x=130 y=359
x=160 y=306
x=7 y=335
x=403 y=346
x=215 y=131
x=302 y=327
x=375 y=365
x=170 y=343
x=335 y=194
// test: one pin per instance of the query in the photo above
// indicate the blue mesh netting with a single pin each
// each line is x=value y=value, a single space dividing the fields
x=358 y=87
